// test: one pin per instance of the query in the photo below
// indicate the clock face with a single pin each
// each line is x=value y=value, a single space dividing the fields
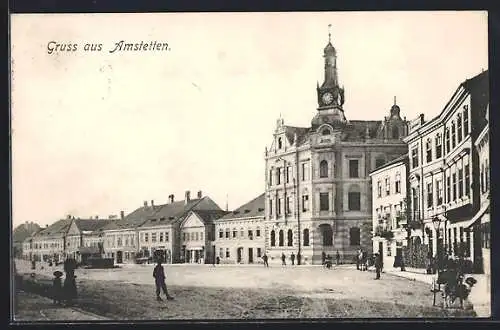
x=327 y=98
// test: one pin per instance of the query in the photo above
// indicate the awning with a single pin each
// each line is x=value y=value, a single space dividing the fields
x=478 y=215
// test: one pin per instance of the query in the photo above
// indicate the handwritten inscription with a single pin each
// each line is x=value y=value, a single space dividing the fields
x=54 y=47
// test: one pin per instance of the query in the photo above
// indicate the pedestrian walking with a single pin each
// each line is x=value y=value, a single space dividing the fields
x=283 y=259
x=338 y=257
x=358 y=259
x=323 y=258
x=264 y=257
x=378 y=265
x=159 y=276
x=57 y=288
x=292 y=257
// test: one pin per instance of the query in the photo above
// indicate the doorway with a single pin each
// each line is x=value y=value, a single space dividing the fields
x=119 y=257
x=250 y=255
x=239 y=253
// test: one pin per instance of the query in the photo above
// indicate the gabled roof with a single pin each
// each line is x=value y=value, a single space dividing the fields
x=254 y=208
x=404 y=158
x=172 y=212
x=134 y=219
x=57 y=229
x=92 y=224
x=356 y=129
x=209 y=216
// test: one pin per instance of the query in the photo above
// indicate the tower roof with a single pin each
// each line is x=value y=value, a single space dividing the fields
x=329 y=49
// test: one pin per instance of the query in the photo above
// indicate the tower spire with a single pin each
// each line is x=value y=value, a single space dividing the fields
x=329 y=33
x=394 y=100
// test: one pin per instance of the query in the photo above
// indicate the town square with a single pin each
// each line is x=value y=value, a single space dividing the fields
x=341 y=213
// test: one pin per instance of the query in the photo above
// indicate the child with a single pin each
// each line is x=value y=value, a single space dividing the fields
x=57 y=287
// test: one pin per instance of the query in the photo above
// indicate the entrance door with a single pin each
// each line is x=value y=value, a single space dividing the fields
x=240 y=250
x=250 y=255
x=119 y=257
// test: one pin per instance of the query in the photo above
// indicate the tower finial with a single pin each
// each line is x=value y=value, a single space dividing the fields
x=329 y=33
x=394 y=100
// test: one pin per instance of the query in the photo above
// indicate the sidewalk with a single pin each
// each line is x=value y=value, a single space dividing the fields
x=32 y=307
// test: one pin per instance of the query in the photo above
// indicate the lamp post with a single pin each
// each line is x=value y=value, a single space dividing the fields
x=436 y=221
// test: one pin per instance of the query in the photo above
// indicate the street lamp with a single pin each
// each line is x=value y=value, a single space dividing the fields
x=436 y=221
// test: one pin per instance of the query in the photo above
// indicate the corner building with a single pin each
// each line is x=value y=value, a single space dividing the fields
x=318 y=190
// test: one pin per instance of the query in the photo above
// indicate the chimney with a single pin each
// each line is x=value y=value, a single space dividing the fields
x=152 y=203
x=122 y=215
x=170 y=199
x=187 y=198
x=145 y=203
x=69 y=216
x=199 y=194
x=96 y=217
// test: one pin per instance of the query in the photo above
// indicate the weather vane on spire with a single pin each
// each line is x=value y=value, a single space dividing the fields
x=329 y=32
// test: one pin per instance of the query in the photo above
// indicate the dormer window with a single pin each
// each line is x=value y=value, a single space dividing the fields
x=326 y=131
x=280 y=143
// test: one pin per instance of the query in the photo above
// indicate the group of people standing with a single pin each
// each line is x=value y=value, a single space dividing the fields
x=66 y=292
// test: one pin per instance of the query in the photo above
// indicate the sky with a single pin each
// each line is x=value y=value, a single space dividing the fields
x=94 y=133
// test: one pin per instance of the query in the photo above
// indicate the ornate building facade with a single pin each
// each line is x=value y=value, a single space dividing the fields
x=318 y=190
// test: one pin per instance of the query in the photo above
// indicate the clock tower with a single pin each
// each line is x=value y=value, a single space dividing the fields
x=330 y=94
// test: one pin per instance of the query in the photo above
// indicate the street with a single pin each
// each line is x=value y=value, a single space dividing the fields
x=235 y=292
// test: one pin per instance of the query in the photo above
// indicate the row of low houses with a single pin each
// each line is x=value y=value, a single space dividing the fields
x=434 y=201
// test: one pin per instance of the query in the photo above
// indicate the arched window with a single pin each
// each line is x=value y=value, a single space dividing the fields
x=281 y=238
x=280 y=144
x=273 y=238
x=327 y=234
x=354 y=236
x=326 y=131
x=395 y=132
x=306 y=237
x=323 y=169
x=354 y=198
x=290 y=237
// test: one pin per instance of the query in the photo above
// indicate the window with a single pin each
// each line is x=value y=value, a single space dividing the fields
x=288 y=170
x=304 y=171
x=428 y=149
x=439 y=191
x=271 y=177
x=290 y=237
x=323 y=202
x=281 y=238
x=306 y=237
x=192 y=236
x=354 y=168
x=414 y=157
x=379 y=162
x=278 y=208
x=166 y=237
x=197 y=238
x=354 y=198
x=415 y=203
x=278 y=175
x=259 y=252
x=257 y=232
x=270 y=207
x=387 y=186
x=459 y=128
x=453 y=135
x=487 y=176
x=323 y=169
x=438 y=146
x=448 y=188
x=146 y=237
x=153 y=238
x=395 y=132
x=273 y=238
x=227 y=232
x=430 y=197
x=482 y=178
x=447 y=140
x=235 y=233
x=288 y=205
x=398 y=183
x=161 y=237
x=354 y=236
x=280 y=144
x=305 y=203
x=221 y=233
x=460 y=183
x=326 y=131
x=379 y=188
x=227 y=253
x=466 y=120
x=242 y=233
x=454 y=178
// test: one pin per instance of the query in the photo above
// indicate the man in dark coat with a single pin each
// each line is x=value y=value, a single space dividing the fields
x=283 y=259
x=378 y=265
x=292 y=257
x=323 y=257
x=338 y=257
x=264 y=258
x=159 y=275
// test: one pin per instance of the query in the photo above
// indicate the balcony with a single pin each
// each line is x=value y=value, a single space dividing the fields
x=384 y=231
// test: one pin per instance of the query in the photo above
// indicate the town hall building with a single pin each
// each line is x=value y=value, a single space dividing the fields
x=318 y=191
